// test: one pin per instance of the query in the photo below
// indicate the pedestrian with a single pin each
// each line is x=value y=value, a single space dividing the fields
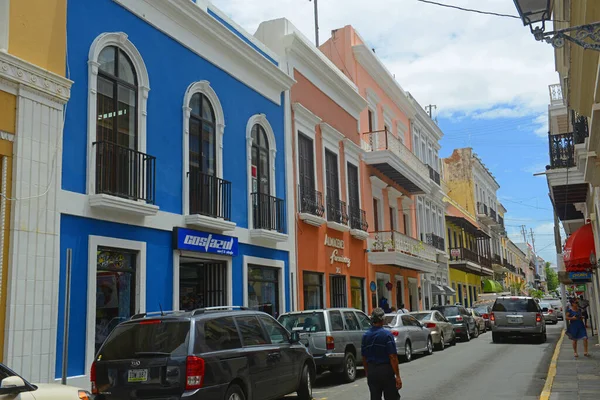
x=402 y=310
x=576 y=330
x=381 y=366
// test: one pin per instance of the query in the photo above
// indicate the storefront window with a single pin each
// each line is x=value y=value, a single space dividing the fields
x=338 y=291
x=313 y=291
x=201 y=285
x=357 y=291
x=115 y=290
x=383 y=293
x=263 y=289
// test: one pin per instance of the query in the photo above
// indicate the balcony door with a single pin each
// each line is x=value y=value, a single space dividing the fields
x=306 y=172
x=267 y=210
x=332 y=182
x=353 y=194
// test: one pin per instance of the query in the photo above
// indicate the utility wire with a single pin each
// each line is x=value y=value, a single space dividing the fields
x=470 y=9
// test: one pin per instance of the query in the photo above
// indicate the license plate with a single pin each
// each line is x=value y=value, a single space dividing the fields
x=137 y=375
x=514 y=320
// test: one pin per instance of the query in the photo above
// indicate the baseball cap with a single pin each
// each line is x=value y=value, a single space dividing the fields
x=377 y=315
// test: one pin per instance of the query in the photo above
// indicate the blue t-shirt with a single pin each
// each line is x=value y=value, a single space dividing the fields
x=377 y=345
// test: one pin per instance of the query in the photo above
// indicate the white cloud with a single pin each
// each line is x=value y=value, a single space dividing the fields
x=460 y=61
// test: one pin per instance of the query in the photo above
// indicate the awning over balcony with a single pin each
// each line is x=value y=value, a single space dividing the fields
x=579 y=249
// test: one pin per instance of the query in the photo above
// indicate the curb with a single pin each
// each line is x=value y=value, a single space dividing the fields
x=552 y=369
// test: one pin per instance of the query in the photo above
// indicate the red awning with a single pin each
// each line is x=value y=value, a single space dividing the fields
x=578 y=248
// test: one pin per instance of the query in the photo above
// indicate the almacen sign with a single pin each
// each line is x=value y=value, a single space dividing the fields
x=337 y=244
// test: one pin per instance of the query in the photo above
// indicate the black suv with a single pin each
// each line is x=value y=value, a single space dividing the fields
x=226 y=353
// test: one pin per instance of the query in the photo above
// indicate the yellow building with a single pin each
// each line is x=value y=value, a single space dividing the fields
x=33 y=92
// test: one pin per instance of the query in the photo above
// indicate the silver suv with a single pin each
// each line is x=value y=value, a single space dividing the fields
x=332 y=336
x=517 y=315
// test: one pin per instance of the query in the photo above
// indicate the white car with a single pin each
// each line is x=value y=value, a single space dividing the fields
x=13 y=387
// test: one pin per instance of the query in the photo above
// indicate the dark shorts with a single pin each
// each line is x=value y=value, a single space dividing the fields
x=381 y=381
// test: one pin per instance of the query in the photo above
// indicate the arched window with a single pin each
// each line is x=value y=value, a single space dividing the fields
x=202 y=143
x=261 y=177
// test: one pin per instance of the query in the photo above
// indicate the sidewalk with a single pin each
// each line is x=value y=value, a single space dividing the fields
x=577 y=378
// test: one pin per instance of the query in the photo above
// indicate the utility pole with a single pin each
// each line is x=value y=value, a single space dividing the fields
x=524 y=233
x=316 y=22
x=535 y=259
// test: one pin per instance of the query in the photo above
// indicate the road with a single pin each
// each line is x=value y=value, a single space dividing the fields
x=476 y=370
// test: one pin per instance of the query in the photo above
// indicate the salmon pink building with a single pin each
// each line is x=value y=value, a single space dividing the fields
x=329 y=174
x=400 y=259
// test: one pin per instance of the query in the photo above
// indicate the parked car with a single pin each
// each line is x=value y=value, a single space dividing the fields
x=410 y=335
x=13 y=386
x=558 y=308
x=549 y=314
x=485 y=310
x=442 y=330
x=210 y=353
x=517 y=315
x=464 y=323
x=333 y=337
x=479 y=321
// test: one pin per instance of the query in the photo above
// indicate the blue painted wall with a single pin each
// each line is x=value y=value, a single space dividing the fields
x=74 y=232
x=171 y=69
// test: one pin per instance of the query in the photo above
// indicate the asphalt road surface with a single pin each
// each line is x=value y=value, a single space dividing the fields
x=475 y=370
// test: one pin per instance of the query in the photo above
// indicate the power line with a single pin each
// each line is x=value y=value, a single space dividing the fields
x=470 y=9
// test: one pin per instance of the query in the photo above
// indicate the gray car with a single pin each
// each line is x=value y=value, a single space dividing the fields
x=410 y=335
x=517 y=316
x=549 y=314
x=332 y=336
x=442 y=330
x=558 y=309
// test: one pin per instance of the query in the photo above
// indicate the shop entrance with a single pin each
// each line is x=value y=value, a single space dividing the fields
x=202 y=283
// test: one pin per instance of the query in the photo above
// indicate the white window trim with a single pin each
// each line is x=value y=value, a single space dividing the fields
x=202 y=87
x=140 y=285
x=177 y=254
x=120 y=40
x=260 y=119
x=4 y=24
x=353 y=154
x=305 y=122
x=393 y=196
x=377 y=186
x=331 y=139
x=265 y=262
x=388 y=118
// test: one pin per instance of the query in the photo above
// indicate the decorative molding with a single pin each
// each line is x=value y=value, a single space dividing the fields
x=377 y=184
x=119 y=204
x=311 y=219
x=42 y=82
x=394 y=195
x=204 y=222
x=202 y=87
x=305 y=117
x=193 y=27
x=330 y=135
x=10 y=137
x=359 y=234
x=270 y=236
x=353 y=152
x=337 y=226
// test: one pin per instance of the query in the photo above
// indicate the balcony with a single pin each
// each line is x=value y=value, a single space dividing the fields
x=210 y=202
x=387 y=153
x=310 y=204
x=493 y=215
x=337 y=215
x=268 y=217
x=556 y=96
x=435 y=241
x=358 y=223
x=125 y=180
x=523 y=274
x=496 y=259
x=395 y=248
x=467 y=260
x=434 y=175
x=562 y=151
x=510 y=267
x=484 y=213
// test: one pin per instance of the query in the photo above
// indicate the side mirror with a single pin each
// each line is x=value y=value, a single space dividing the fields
x=295 y=337
x=12 y=384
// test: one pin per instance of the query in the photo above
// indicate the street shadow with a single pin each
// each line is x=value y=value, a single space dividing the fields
x=329 y=379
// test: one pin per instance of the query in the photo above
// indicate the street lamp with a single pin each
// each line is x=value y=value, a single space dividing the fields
x=535 y=13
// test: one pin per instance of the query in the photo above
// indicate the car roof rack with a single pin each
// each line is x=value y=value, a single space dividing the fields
x=154 y=313
x=199 y=311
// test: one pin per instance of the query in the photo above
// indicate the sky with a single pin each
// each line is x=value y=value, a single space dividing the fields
x=486 y=75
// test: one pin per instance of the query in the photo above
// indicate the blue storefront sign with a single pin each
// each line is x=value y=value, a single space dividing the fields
x=580 y=276
x=204 y=242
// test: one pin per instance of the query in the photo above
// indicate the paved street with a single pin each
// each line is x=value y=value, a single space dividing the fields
x=477 y=370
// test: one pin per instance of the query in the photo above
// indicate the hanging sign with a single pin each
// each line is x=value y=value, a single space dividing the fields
x=204 y=242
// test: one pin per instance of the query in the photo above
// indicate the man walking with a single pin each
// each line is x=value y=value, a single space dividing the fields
x=381 y=360
x=402 y=310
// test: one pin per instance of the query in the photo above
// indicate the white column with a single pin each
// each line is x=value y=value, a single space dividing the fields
x=4 y=24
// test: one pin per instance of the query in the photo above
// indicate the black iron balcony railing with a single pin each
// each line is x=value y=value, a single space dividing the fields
x=209 y=195
x=523 y=274
x=337 y=211
x=493 y=214
x=268 y=212
x=311 y=201
x=464 y=254
x=358 y=219
x=497 y=259
x=124 y=172
x=562 y=150
x=482 y=208
x=434 y=175
x=435 y=241
x=580 y=127
x=501 y=221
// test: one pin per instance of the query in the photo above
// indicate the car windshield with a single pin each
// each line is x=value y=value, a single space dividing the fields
x=482 y=310
x=545 y=305
x=310 y=321
x=515 y=305
x=390 y=320
x=147 y=338
x=422 y=316
x=448 y=311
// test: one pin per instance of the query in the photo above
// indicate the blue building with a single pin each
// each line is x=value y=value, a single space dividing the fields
x=174 y=191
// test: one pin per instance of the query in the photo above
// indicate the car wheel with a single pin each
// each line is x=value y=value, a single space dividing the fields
x=442 y=344
x=235 y=393
x=305 y=388
x=429 y=350
x=349 y=371
x=407 y=351
x=468 y=335
x=542 y=339
x=476 y=332
x=454 y=339
x=495 y=337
